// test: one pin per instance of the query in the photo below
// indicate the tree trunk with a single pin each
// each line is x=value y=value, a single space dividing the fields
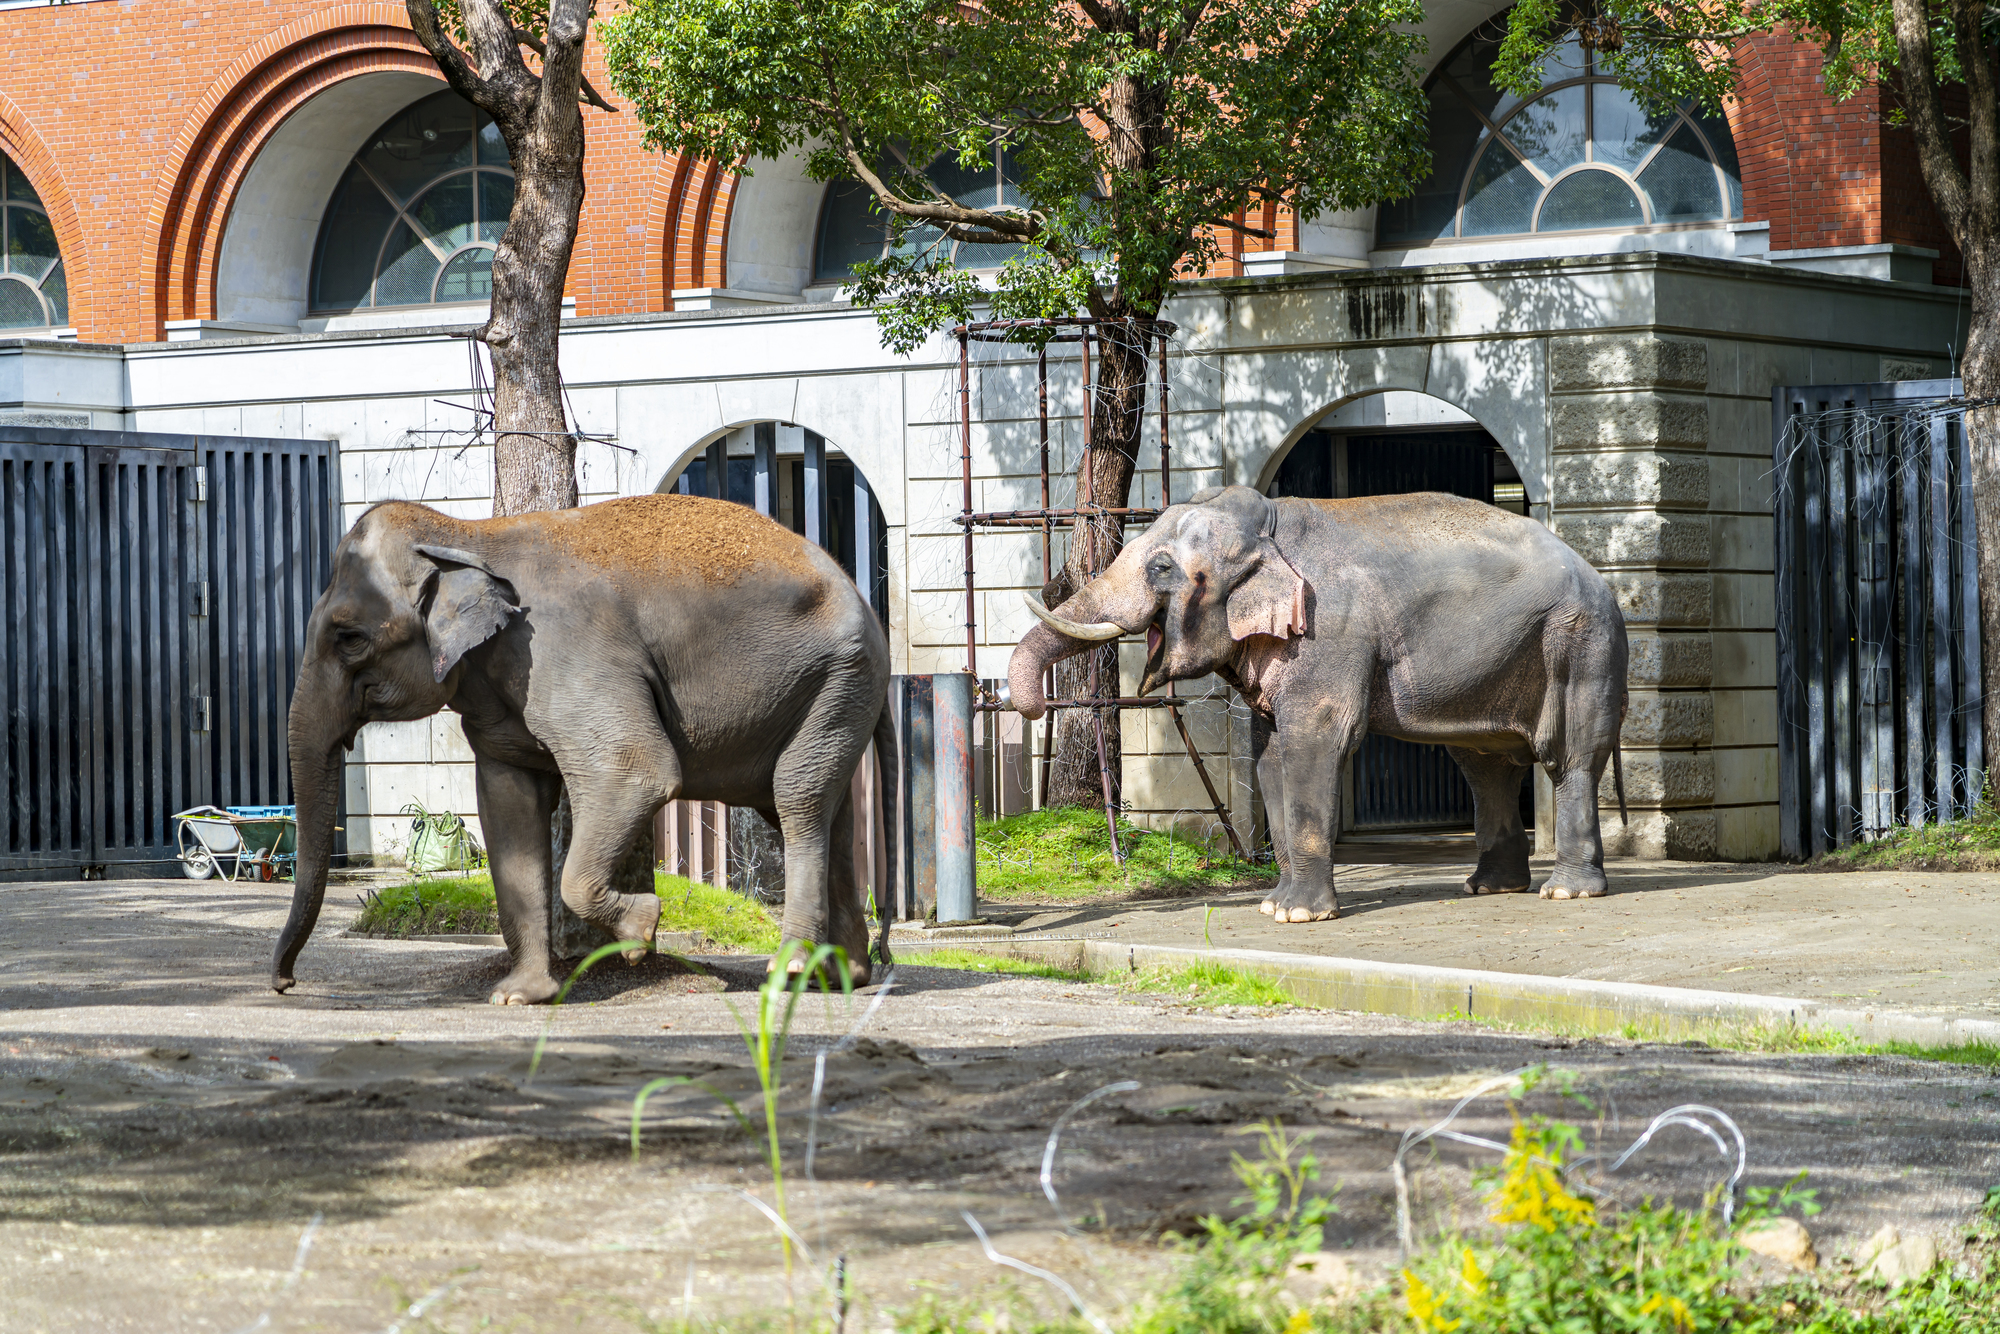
x=1968 y=199
x=534 y=456
x=535 y=469
x=1980 y=370
x=1104 y=477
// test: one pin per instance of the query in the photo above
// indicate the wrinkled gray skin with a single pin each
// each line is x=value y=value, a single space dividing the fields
x=641 y=650
x=1427 y=617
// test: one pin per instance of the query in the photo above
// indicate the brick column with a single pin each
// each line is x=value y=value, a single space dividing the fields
x=1630 y=488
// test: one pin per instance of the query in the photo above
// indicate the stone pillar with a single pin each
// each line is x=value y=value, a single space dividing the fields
x=1630 y=488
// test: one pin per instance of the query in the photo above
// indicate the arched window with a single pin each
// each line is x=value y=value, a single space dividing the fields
x=33 y=291
x=852 y=228
x=415 y=219
x=1580 y=155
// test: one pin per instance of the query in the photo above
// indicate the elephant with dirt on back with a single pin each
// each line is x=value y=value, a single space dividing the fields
x=1427 y=617
x=639 y=650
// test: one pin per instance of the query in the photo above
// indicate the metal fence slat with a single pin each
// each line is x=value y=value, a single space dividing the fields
x=1908 y=462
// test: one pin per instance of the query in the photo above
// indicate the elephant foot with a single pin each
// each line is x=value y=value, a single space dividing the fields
x=1480 y=884
x=1291 y=903
x=1280 y=893
x=1585 y=884
x=640 y=921
x=859 y=972
x=524 y=986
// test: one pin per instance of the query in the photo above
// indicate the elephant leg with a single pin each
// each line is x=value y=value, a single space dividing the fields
x=617 y=781
x=1271 y=778
x=848 y=916
x=1311 y=751
x=810 y=787
x=1579 y=872
x=1496 y=822
x=514 y=809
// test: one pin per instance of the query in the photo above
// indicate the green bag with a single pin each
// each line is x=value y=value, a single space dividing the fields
x=439 y=841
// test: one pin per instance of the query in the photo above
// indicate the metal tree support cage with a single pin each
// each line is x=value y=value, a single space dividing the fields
x=1082 y=331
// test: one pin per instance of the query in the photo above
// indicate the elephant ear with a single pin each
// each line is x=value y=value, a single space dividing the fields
x=1271 y=598
x=463 y=604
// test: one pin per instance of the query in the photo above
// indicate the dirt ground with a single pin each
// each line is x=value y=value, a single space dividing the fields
x=1914 y=941
x=169 y=1127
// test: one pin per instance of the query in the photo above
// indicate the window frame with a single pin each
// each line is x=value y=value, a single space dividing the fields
x=400 y=216
x=51 y=316
x=1589 y=79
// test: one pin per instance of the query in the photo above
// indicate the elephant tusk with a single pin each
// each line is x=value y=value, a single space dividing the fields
x=1094 y=631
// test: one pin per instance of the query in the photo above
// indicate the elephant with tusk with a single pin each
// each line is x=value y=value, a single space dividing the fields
x=639 y=650
x=1428 y=617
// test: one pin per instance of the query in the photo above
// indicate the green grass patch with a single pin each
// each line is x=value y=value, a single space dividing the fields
x=463 y=905
x=444 y=906
x=1204 y=984
x=1207 y=984
x=1064 y=855
x=972 y=961
x=1968 y=844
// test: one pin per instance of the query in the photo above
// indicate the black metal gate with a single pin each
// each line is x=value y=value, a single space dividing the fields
x=155 y=599
x=1877 y=612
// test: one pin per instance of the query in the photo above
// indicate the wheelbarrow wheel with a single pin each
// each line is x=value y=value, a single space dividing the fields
x=197 y=864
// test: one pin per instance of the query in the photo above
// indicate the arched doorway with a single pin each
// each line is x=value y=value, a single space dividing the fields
x=1389 y=444
x=796 y=476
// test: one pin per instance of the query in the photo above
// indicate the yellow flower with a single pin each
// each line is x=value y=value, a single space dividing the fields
x=1300 y=1323
x=1424 y=1305
x=1677 y=1310
x=1532 y=1190
x=1472 y=1275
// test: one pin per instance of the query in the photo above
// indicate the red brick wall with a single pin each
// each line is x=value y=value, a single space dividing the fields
x=136 y=122
x=1828 y=173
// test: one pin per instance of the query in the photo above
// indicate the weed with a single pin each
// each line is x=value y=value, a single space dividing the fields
x=1970 y=843
x=1064 y=854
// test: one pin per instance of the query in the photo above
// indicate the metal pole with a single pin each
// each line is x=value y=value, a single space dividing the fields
x=957 y=900
x=1215 y=801
x=718 y=470
x=815 y=479
x=764 y=484
x=1166 y=485
x=1042 y=414
x=965 y=477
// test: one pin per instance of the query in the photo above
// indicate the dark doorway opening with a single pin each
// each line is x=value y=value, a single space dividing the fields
x=1394 y=784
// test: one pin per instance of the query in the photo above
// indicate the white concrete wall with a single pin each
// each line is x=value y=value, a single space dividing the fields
x=1257 y=363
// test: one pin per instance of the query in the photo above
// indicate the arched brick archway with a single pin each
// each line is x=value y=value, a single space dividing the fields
x=232 y=121
x=688 y=227
x=19 y=140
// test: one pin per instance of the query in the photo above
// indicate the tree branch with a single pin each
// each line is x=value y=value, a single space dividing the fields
x=1236 y=226
x=457 y=70
x=590 y=94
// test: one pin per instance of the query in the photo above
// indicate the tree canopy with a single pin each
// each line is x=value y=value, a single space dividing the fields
x=1133 y=129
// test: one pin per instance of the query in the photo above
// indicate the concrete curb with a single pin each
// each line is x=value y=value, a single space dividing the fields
x=1420 y=991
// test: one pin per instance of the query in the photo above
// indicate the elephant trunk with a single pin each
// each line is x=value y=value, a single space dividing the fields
x=1039 y=649
x=317 y=751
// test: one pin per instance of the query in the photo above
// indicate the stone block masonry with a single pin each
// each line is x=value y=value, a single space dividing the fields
x=1629 y=424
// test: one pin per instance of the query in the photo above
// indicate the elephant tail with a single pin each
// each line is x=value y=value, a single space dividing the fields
x=887 y=787
x=1618 y=780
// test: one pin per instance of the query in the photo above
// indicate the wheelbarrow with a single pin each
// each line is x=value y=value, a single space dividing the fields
x=257 y=842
